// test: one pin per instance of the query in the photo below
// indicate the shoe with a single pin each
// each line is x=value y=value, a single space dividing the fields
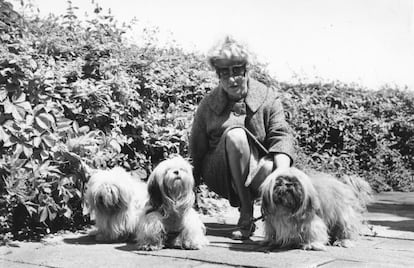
x=243 y=233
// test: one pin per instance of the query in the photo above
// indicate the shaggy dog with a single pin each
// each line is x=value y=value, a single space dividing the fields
x=169 y=219
x=115 y=200
x=312 y=211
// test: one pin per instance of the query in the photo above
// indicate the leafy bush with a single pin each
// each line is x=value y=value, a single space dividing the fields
x=344 y=129
x=74 y=90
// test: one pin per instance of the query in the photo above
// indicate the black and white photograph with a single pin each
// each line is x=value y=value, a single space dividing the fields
x=221 y=133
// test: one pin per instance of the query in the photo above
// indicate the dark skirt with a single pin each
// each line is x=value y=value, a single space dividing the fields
x=216 y=172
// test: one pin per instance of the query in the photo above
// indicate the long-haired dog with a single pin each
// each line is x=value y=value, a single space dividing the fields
x=310 y=212
x=115 y=200
x=169 y=219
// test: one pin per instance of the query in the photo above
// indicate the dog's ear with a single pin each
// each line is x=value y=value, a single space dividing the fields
x=314 y=203
x=266 y=192
x=265 y=204
x=154 y=191
x=311 y=201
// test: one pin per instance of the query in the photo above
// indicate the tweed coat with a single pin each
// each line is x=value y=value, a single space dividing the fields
x=264 y=118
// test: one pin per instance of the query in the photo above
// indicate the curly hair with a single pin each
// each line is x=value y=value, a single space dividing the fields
x=228 y=49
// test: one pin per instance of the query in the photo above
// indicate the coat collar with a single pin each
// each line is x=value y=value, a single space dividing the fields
x=256 y=95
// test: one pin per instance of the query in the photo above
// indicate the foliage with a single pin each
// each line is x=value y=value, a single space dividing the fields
x=346 y=130
x=72 y=89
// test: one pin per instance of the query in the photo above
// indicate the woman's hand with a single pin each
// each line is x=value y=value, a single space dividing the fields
x=282 y=161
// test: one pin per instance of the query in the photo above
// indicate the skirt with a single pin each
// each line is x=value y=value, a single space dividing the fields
x=216 y=172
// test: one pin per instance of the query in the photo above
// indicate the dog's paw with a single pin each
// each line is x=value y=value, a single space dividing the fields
x=314 y=246
x=266 y=243
x=149 y=247
x=175 y=243
x=345 y=243
x=100 y=237
x=195 y=243
x=93 y=232
x=268 y=246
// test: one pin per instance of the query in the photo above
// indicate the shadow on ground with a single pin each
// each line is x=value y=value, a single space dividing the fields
x=127 y=247
x=88 y=240
x=406 y=225
x=81 y=240
x=402 y=210
x=220 y=229
x=225 y=230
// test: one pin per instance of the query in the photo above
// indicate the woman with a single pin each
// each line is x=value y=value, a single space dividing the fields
x=239 y=134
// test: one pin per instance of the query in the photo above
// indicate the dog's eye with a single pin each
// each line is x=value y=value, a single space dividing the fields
x=183 y=170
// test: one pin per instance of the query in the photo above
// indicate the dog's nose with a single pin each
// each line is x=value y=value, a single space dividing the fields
x=176 y=172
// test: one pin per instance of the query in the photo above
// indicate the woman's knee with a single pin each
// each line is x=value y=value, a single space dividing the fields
x=236 y=138
x=266 y=166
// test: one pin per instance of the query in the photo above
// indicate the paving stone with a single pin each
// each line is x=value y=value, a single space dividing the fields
x=387 y=241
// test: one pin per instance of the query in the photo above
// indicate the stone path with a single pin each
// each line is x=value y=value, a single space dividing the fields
x=388 y=241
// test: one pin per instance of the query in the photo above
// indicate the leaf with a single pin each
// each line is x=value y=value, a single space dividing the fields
x=36 y=142
x=27 y=150
x=49 y=140
x=10 y=108
x=114 y=144
x=3 y=95
x=3 y=135
x=26 y=106
x=33 y=64
x=9 y=143
x=63 y=124
x=49 y=117
x=49 y=75
x=21 y=113
x=44 y=120
x=43 y=211
x=140 y=173
x=84 y=129
x=19 y=98
x=39 y=108
x=68 y=212
x=52 y=215
x=44 y=155
x=77 y=193
x=47 y=190
x=75 y=127
x=30 y=207
x=42 y=124
x=29 y=120
x=18 y=150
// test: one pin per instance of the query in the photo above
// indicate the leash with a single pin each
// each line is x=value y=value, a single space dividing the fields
x=261 y=217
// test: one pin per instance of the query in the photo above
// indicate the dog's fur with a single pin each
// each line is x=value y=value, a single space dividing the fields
x=312 y=211
x=115 y=200
x=169 y=219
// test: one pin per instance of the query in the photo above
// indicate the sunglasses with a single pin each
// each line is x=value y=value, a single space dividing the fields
x=233 y=71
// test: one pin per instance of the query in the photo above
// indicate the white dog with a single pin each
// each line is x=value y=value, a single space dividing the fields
x=115 y=200
x=169 y=218
x=312 y=211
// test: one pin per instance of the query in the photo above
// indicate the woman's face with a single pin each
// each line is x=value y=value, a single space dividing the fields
x=233 y=80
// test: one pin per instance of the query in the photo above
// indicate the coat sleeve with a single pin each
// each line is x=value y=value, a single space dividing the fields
x=198 y=142
x=279 y=134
